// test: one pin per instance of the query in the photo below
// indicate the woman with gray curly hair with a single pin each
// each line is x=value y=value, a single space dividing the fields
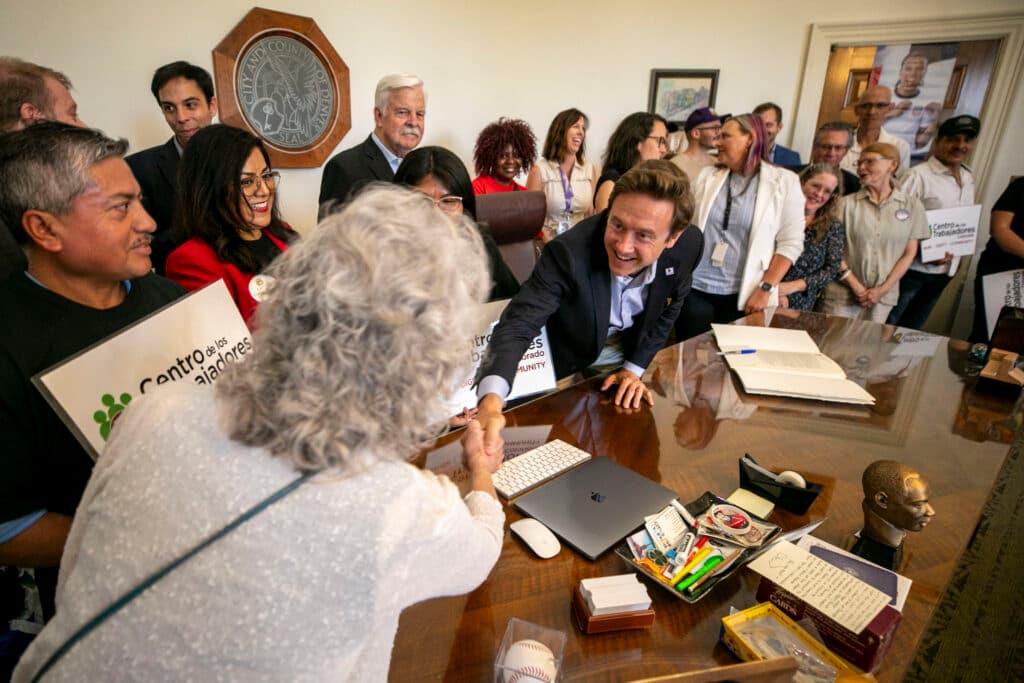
x=351 y=354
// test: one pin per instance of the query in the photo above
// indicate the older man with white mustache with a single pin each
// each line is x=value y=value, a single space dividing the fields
x=400 y=107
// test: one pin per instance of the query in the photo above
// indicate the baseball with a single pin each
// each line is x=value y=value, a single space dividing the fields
x=528 y=661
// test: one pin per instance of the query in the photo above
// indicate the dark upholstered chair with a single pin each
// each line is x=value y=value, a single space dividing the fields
x=514 y=219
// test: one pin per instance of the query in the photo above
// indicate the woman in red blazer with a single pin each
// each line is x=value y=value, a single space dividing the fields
x=228 y=215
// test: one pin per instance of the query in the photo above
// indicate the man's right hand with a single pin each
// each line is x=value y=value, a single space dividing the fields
x=492 y=421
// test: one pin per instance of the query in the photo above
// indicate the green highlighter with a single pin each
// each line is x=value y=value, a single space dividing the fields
x=693 y=578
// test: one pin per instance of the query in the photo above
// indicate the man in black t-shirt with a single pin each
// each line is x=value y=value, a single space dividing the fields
x=70 y=199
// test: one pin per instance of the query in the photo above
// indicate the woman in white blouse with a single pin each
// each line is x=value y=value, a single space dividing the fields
x=752 y=215
x=564 y=174
x=352 y=349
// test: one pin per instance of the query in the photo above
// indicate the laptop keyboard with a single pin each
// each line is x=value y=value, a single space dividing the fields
x=531 y=469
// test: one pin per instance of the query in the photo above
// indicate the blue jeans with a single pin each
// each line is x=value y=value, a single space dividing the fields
x=918 y=294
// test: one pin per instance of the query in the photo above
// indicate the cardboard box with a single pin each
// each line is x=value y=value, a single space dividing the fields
x=865 y=649
x=778 y=636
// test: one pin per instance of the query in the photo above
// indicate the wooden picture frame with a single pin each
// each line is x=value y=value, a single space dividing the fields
x=281 y=79
x=675 y=93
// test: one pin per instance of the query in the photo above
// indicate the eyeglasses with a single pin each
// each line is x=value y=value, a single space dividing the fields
x=871 y=160
x=832 y=148
x=449 y=204
x=662 y=142
x=873 y=105
x=250 y=183
x=713 y=127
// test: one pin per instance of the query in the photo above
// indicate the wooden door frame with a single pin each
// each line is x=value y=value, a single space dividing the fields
x=1006 y=73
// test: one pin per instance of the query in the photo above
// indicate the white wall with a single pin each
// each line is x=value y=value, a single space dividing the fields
x=530 y=58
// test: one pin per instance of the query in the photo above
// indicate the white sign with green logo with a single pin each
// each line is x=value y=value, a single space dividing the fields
x=190 y=340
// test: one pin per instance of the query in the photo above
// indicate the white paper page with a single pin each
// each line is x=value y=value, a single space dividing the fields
x=840 y=596
x=816 y=365
x=903 y=584
x=818 y=388
x=735 y=337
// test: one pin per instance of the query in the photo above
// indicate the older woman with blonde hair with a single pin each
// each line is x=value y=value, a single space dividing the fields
x=883 y=227
x=352 y=351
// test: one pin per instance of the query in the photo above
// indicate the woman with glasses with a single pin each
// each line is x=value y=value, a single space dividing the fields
x=640 y=136
x=504 y=149
x=883 y=225
x=752 y=215
x=566 y=177
x=227 y=213
x=824 y=238
x=440 y=175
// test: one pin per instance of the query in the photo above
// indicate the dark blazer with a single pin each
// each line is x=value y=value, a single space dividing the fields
x=851 y=183
x=12 y=258
x=156 y=170
x=348 y=171
x=570 y=292
x=783 y=156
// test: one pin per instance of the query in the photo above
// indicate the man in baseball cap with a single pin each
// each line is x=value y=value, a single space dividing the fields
x=702 y=129
x=942 y=182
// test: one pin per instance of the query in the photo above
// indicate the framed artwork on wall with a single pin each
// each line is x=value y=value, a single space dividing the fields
x=675 y=93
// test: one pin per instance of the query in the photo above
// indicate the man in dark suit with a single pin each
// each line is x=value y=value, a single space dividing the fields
x=771 y=114
x=831 y=143
x=186 y=97
x=400 y=108
x=609 y=291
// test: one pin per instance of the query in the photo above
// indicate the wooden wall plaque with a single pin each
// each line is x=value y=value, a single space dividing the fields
x=280 y=78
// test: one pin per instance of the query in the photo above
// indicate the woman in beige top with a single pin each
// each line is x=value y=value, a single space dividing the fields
x=883 y=226
x=564 y=175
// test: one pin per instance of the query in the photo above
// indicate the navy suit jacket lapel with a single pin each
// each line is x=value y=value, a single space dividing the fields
x=378 y=164
x=600 y=287
x=168 y=163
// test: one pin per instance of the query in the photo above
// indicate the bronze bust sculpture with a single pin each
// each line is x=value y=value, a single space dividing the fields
x=895 y=501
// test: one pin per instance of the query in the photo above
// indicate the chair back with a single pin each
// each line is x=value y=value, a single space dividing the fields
x=514 y=219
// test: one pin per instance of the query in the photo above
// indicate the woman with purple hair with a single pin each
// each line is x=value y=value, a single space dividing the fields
x=752 y=216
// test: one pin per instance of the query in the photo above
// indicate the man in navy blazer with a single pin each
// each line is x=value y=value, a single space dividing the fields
x=398 y=116
x=771 y=114
x=609 y=291
x=186 y=97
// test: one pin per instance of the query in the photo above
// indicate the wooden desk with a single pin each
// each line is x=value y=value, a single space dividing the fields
x=691 y=440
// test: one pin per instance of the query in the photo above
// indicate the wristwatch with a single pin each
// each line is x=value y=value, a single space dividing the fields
x=765 y=287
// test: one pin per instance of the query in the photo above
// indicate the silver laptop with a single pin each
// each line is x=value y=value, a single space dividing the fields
x=595 y=505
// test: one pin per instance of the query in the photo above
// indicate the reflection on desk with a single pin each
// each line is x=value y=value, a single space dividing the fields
x=690 y=441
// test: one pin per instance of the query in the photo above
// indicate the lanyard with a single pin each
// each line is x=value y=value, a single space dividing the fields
x=566 y=190
x=728 y=202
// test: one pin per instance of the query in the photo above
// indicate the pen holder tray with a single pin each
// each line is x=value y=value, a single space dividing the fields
x=788 y=497
x=697 y=508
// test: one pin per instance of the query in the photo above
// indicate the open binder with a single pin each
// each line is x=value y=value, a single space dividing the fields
x=785 y=363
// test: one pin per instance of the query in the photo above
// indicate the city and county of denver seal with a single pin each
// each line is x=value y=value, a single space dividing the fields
x=286 y=94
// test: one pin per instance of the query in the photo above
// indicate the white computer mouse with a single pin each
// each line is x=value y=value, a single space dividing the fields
x=537 y=537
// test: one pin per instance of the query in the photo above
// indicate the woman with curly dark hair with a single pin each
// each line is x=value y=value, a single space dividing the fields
x=640 y=136
x=227 y=213
x=504 y=149
x=564 y=174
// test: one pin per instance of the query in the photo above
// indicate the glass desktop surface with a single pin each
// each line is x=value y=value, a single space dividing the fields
x=927 y=414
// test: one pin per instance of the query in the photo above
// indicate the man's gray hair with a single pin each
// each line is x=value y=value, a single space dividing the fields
x=366 y=329
x=46 y=166
x=393 y=82
x=24 y=82
x=833 y=126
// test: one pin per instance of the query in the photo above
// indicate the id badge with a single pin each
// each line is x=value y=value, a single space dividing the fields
x=718 y=254
x=563 y=225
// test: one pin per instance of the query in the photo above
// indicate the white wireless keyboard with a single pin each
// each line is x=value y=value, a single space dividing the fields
x=524 y=472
